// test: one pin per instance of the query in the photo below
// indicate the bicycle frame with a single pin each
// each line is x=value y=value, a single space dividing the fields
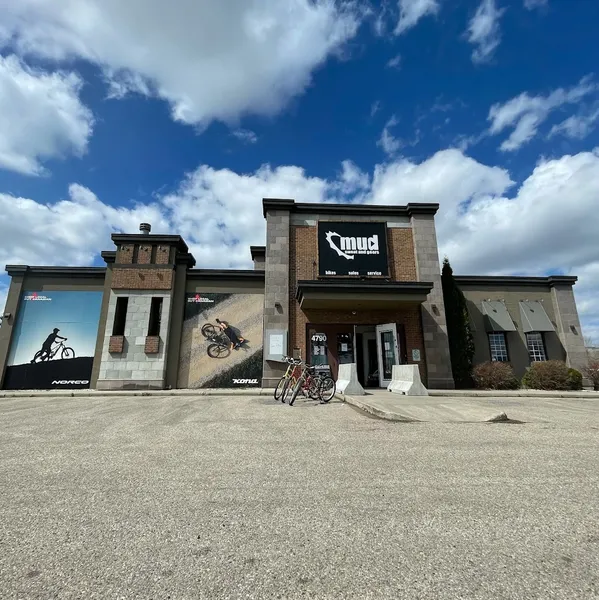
x=54 y=351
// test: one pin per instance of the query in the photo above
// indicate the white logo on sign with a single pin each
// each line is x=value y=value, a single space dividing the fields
x=36 y=297
x=348 y=247
x=75 y=382
x=242 y=381
x=197 y=299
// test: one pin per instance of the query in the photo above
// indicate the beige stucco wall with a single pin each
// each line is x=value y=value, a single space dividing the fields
x=516 y=340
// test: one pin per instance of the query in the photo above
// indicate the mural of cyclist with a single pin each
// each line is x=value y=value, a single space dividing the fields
x=47 y=345
x=236 y=341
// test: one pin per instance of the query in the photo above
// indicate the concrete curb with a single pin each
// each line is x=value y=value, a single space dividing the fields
x=159 y=393
x=498 y=418
x=388 y=415
x=268 y=392
x=377 y=412
x=513 y=394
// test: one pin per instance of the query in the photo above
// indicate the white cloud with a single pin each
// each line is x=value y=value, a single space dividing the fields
x=395 y=62
x=526 y=113
x=70 y=231
x=374 y=108
x=388 y=142
x=587 y=291
x=211 y=60
x=245 y=135
x=576 y=126
x=532 y=4
x=484 y=32
x=41 y=116
x=3 y=295
x=486 y=225
x=352 y=180
x=411 y=11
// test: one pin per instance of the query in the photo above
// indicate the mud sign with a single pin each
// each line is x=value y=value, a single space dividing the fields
x=221 y=345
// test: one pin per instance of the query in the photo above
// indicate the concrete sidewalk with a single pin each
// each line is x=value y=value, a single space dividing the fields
x=159 y=393
x=396 y=407
x=589 y=394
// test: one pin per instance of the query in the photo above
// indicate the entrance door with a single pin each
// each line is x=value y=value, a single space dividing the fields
x=387 y=350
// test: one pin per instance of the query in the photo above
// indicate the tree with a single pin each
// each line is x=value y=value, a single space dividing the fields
x=459 y=332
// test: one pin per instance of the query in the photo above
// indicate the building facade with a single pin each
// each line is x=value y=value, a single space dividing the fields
x=333 y=284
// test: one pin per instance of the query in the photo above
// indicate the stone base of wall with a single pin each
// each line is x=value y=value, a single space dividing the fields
x=435 y=383
x=270 y=382
x=140 y=384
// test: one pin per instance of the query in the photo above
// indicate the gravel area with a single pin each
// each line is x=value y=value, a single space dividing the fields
x=183 y=497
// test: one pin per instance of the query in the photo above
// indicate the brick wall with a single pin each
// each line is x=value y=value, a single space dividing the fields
x=303 y=264
x=144 y=254
x=152 y=345
x=303 y=253
x=142 y=279
x=163 y=255
x=124 y=255
x=402 y=262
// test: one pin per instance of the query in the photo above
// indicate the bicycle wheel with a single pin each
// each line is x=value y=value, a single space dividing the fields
x=288 y=390
x=38 y=356
x=280 y=389
x=209 y=330
x=326 y=389
x=218 y=351
x=67 y=353
x=314 y=388
x=296 y=390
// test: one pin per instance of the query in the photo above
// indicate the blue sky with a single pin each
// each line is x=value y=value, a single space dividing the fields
x=187 y=113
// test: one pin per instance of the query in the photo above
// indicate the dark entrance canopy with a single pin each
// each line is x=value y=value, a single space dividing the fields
x=376 y=295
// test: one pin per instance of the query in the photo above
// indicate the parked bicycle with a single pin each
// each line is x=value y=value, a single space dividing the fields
x=302 y=378
x=65 y=352
x=285 y=381
x=220 y=344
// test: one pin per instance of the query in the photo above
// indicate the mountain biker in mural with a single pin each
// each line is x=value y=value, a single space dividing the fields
x=47 y=345
x=236 y=340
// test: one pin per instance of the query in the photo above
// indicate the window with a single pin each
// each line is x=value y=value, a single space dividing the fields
x=135 y=256
x=536 y=347
x=345 y=348
x=155 y=317
x=153 y=254
x=120 y=315
x=318 y=350
x=388 y=353
x=498 y=347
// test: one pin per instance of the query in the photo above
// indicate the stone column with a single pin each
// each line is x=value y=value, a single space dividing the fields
x=434 y=325
x=276 y=287
x=568 y=325
x=134 y=368
x=8 y=324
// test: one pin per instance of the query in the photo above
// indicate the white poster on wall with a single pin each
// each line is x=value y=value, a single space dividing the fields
x=275 y=344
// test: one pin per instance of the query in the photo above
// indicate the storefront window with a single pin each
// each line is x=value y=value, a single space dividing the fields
x=319 y=350
x=345 y=348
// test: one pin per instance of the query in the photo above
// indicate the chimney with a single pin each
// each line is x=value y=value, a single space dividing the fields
x=145 y=228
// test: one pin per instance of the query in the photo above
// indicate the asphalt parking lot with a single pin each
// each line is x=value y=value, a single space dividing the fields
x=182 y=497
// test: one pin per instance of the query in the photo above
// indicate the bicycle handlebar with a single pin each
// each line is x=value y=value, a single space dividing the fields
x=293 y=361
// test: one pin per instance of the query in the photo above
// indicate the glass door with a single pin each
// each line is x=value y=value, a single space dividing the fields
x=319 y=355
x=387 y=350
